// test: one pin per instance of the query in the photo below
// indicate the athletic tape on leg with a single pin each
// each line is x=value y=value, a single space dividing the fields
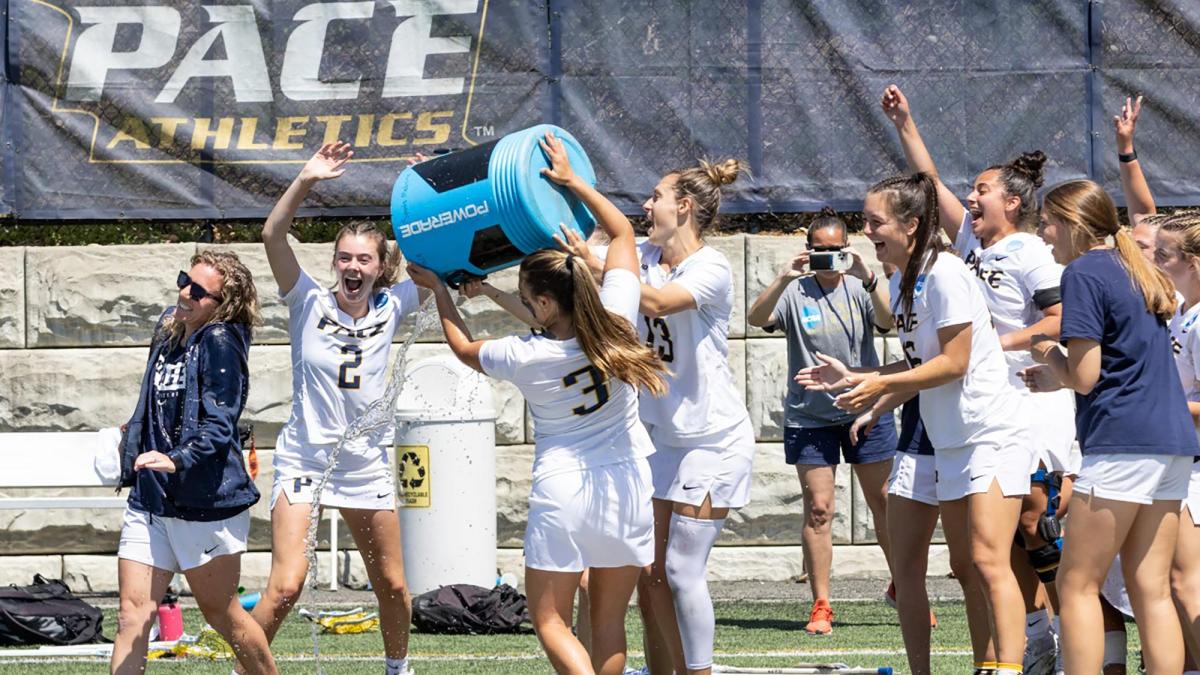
x=688 y=546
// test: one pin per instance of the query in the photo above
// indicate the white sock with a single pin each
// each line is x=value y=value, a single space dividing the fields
x=1114 y=647
x=688 y=545
x=396 y=666
x=1037 y=623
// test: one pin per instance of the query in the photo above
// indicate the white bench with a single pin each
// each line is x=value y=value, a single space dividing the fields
x=67 y=459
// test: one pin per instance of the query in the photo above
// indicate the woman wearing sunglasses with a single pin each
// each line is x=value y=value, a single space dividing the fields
x=340 y=339
x=189 y=507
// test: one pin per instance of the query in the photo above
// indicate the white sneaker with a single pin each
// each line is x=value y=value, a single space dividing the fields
x=1040 y=653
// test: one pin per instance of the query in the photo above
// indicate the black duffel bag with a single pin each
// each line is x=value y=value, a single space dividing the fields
x=461 y=609
x=47 y=613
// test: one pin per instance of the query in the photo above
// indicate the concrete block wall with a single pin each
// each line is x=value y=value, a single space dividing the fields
x=75 y=323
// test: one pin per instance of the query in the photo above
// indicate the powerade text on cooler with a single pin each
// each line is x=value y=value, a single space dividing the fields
x=483 y=209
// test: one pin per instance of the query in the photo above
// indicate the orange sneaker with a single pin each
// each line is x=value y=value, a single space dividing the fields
x=890 y=597
x=820 y=622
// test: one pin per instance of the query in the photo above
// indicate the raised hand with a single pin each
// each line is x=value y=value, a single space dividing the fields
x=329 y=162
x=572 y=243
x=425 y=278
x=796 y=267
x=831 y=375
x=1126 y=123
x=894 y=105
x=417 y=158
x=560 y=170
x=472 y=287
x=858 y=266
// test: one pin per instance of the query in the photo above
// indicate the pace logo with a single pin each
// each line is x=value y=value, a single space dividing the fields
x=266 y=82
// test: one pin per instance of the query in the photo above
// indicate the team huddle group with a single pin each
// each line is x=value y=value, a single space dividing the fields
x=1016 y=346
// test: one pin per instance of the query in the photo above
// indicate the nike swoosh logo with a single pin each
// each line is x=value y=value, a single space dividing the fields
x=975 y=478
x=381 y=496
x=1000 y=257
x=691 y=487
x=211 y=549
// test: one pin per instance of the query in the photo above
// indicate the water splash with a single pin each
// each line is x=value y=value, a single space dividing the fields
x=377 y=415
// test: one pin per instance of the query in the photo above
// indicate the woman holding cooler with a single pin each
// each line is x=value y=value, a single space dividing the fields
x=590 y=505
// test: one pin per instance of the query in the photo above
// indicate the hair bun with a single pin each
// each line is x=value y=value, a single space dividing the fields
x=827 y=212
x=723 y=172
x=1029 y=164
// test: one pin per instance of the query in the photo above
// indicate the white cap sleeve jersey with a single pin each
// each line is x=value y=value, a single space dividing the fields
x=339 y=365
x=702 y=401
x=1010 y=271
x=980 y=407
x=580 y=418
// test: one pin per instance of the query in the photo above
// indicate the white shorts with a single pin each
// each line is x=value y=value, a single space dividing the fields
x=598 y=517
x=913 y=478
x=720 y=470
x=178 y=545
x=972 y=469
x=1193 y=497
x=361 y=479
x=1052 y=430
x=369 y=494
x=1140 y=479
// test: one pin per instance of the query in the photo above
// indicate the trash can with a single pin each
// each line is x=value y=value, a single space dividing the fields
x=482 y=209
x=446 y=475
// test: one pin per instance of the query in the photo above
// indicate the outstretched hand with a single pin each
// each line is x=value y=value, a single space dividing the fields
x=560 y=170
x=895 y=105
x=831 y=375
x=329 y=162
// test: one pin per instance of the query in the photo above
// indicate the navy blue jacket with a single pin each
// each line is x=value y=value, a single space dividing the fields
x=211 y=481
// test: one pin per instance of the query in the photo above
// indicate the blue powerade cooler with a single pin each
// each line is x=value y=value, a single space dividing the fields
x=485 y=208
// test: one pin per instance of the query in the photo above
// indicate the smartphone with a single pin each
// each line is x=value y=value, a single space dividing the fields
x=829 y=261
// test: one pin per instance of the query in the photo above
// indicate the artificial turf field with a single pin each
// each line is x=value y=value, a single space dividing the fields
x=749 y=633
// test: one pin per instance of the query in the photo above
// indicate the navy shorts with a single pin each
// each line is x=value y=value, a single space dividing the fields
x=827 y=445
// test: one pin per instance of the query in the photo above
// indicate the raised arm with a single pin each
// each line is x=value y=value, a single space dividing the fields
x=762 y=311
x=622 y=246
x=457 y=335
x=895 y=107
x=329 y=162
x=509 y=302
x=1138 y=199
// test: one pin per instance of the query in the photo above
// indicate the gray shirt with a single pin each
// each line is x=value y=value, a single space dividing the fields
x=839 y=322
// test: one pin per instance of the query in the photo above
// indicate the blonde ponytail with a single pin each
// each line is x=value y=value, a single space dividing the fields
x=607 y=339
x=1091 y=216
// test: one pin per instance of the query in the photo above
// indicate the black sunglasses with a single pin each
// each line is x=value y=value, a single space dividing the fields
x=195 y=290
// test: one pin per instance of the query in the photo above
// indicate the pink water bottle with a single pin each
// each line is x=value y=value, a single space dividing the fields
x=170 y=618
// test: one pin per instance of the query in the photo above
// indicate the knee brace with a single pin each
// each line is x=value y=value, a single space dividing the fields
x=688 y=545
x=1045 y=562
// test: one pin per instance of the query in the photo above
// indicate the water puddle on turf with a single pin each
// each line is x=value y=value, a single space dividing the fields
x=378 y=415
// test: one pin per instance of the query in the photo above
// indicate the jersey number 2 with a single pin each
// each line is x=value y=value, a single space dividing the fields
x=596 y=386
x=666 y=350
x=347 y=378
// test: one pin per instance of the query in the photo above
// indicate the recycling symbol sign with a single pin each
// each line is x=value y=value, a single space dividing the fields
x=413 y=477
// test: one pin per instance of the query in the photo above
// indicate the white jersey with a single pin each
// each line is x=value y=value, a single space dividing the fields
x=581 y=419
x=339 y=364
x=980 y=407
x=1010 y=272
x=1185 y=342
x=702 y=402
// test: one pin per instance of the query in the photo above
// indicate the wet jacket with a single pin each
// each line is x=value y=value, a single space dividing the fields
x=211 y=481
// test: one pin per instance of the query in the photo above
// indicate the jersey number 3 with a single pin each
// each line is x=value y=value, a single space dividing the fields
x=347 y=377
x=597 y=386
x=666 y=350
